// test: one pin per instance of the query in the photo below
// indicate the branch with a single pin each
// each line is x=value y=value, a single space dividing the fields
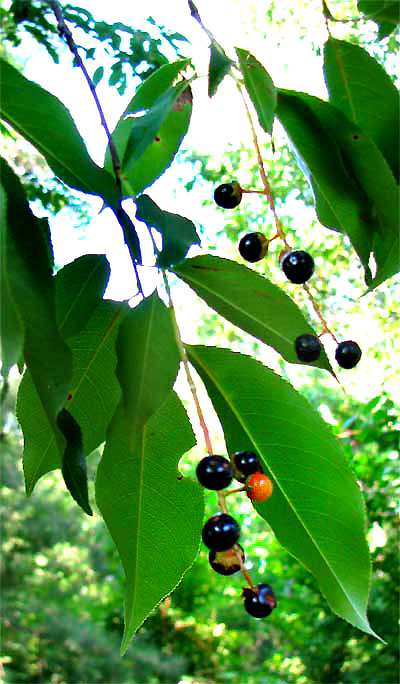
x=67 y=35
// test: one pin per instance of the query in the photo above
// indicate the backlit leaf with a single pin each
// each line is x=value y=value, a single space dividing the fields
x=92 y=397
x=249 y=301
x=154 y=516
x=316 y=510
x=79 y=287
x=260 y=88
x=220 y=65
x=178 y=233
x=43 y=120
x=74 y=468
x=360 y=87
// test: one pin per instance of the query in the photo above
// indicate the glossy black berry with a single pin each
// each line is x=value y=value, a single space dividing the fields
x=348 y=354
x=226 y=562
x=261 y=602
x=214 y=472
x=308 y=347
x=220 y=532
x=247 y=463
x=253 y=247
x=228 y=195
x=298 y=266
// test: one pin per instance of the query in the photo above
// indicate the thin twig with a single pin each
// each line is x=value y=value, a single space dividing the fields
x=185 y=361
x=65 y=32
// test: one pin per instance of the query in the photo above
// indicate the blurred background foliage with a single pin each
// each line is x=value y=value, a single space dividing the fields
x=62 y=583
x=62 y=586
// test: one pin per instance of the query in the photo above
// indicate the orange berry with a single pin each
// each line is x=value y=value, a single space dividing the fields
x=258 y=487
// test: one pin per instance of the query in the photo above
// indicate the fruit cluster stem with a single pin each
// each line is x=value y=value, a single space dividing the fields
x=185 y=361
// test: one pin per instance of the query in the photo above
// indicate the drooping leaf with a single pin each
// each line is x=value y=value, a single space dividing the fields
x=148 y=360
x=130 y=235
x=316 y=509
x=11 y=330
x=178 y=233
x=384 y=12
x=165 y=142
x=368 y=165
x=93 y=395
x=43 y=120
x=98 y=75
x=154 y=516
x=360 y=87
x=79 y=287
x=29 y=277
x=145 y=128
x=219 y=66
x=74 y=468
x=249 y=301
x=260 y=88
x=339 y=201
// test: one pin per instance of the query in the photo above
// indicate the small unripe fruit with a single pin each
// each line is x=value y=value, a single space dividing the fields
x=348 y=354
x=228 y=195
x=258 y=487
x=298 y=266
x=253 y=247
x=308 y=347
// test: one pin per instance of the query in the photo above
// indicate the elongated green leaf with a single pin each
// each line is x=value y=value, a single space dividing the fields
x=154 y=516
x=145 y=128
x=11 y=330
x=74 y=468
x=29 y=276
x=260 y=88
x=368 y=165
x=339 y=201
x=249 y=301
x=148 y=360
x=165 y=141
x=43 y=120
x=178 y=233
x=360 y=87
x=220 y=65
x=316 y=509
x=384 y=12
x=79 y=287
x=93 y=395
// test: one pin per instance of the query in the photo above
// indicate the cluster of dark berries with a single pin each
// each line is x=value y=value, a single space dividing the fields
x=221 y=532
x=298 y=267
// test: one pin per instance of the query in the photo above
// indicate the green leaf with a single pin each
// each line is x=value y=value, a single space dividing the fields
x=367 y=164
x=29 y=276
x=312 y=127
x=384 y=12
x=79 y=287
x=249 y=301
x=316 y=509
x=98 y=75
x=154 y=516
x=74 y=468
x=178 y=233
x=11 y=330
x=145 y=128
x=93 y=395
x=130 y=235
x=360 y=87
x=220 y=65
x=148 y=360
x=260 y=88
x=165 y=142
x=43 y=120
